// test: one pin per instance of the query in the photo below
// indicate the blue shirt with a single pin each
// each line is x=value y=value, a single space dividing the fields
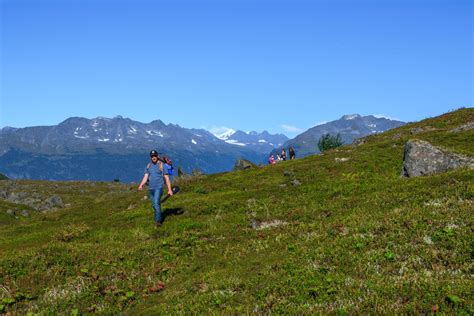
x=155 y=175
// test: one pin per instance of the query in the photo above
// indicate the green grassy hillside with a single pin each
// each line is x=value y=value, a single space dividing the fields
x=353 y=237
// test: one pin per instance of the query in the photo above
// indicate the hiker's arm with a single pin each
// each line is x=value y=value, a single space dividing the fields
x=145 y=177
x=168 y=184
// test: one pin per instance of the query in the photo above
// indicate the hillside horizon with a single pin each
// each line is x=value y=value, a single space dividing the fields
x=340 y=232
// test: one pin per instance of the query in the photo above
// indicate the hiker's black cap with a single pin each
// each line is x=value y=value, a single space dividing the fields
x=153 y=153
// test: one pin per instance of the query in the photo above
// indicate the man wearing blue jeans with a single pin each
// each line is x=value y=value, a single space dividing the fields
x=156 y=175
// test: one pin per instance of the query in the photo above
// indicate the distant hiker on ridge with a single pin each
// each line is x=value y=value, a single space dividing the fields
x=271 y=160
x=155 y=172
x=292 y=153
x=283 y=154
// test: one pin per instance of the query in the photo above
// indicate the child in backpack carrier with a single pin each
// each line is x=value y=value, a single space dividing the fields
x=168 y=166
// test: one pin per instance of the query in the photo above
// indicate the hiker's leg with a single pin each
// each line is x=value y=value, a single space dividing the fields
x=151 y=194
x=157 y=204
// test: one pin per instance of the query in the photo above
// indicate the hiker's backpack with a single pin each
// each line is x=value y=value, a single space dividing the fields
x=159 y=161
x=169 y=163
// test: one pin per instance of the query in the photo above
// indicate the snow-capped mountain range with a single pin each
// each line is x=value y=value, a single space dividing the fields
x=109 y=148
x=261 y=142
x=87 y=144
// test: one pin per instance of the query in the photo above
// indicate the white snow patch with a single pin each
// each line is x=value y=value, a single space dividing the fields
x=132 y=130
x=151 y=133
x=235 y=142
x=262 y=141
x=81 y=137
x=386 y=117
x=350 y=117
x=118 y=140
x=372 y=125
x=103 y=139
x=154 y=133
x=193 y=141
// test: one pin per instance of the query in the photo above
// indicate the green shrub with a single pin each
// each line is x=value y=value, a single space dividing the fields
x=328 y=141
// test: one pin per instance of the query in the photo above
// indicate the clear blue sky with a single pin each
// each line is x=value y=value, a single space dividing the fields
x=251 y=65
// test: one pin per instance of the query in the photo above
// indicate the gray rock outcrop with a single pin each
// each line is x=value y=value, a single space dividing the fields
x=32 y=199
x=54 y=201
x=421 y=158
x=243 y=164
x=465 y=127
x=418 y=130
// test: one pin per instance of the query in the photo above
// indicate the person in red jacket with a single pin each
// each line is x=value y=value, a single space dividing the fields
x=271 y=160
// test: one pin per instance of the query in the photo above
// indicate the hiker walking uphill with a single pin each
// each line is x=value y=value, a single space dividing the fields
x=156 y=174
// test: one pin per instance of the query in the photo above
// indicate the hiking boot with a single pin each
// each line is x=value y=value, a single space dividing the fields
x=158 y=224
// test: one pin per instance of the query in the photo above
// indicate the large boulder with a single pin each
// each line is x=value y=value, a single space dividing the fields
x=243 y=164
x=421 y=158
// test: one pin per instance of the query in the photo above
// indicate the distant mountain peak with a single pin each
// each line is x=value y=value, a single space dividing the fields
x=349 y=127
x=102 y=118
x=223 y=133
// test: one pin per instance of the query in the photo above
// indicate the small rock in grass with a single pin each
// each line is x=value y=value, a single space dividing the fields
x=267 y=224
x=288 y=173
x=397 y=136
x=243 y=164
x=254 y=224
x=295 y=182
x=3 y=195
x=359 y=141
x=25 y=213
x=427 y=240
x=55 y=201
x=418 y=130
